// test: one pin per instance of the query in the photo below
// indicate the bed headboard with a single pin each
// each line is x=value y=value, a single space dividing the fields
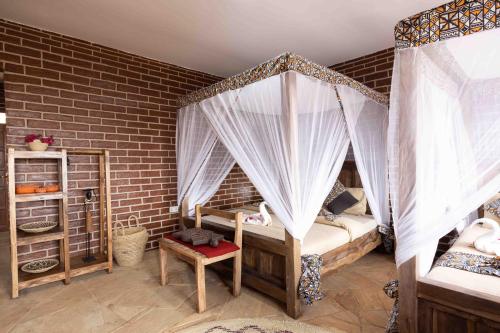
x=349 y=177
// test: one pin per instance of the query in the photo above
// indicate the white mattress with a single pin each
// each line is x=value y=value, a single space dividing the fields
x=320 y=238
x=478 y=282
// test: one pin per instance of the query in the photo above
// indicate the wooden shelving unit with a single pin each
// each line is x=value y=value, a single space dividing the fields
x=68 y=267
x=104 y=259
x=21 y=280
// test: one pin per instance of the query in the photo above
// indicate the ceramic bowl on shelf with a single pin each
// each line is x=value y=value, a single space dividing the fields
x=36 y=227
x=26 y=188
x=39 y=266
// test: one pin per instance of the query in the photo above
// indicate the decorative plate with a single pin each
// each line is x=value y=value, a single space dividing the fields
x=36 y=227
x=39 y=266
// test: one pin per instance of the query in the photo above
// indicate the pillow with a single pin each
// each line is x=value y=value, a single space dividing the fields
x=360 y=207
x=342 y=202
x=337 y=189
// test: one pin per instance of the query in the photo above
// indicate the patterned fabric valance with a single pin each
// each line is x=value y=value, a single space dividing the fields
x=282 y=63
x=454 y=19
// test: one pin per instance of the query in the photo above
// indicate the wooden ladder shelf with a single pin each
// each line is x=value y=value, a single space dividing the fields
x=68 y=267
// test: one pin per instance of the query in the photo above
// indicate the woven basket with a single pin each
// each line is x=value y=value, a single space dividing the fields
x=129 y=243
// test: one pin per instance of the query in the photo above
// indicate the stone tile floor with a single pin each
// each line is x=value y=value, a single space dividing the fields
x=131 y=300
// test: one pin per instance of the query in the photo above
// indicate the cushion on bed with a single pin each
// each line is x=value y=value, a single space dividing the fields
x=337 y=189
x=360 y=207
x=344 y=201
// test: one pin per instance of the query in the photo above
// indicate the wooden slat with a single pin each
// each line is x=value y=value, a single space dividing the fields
x=208 y=261
x=12 y=221
x=253 y=281
x=216 y=212
x=408 y=297
x=63 y=178
x=24 y=238
x=28 y=280
x=200 y=284
x=107 y=170
x=86 y=151
x=350 y=252
x=79 y=267
x=38 y=197
x=102 y=202
x=477 y=303
x=41 y=280
x=37 y=154
x=184 y=211
x=293 y=271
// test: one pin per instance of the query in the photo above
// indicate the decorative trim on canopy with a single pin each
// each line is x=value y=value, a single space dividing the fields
x=282 y=63
x=454 y=19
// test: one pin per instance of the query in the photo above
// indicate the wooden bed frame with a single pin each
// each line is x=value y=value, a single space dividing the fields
x=273 y=267
x=428 y=306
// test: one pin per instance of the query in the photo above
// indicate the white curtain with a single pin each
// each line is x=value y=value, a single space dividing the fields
x=367 y=122
x=202 y=160
x=444 y=130
x=288 y=134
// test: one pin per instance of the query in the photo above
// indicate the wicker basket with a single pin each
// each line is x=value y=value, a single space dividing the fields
x=129 y=243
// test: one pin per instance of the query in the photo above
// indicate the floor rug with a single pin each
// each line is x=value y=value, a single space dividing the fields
x=256 y=325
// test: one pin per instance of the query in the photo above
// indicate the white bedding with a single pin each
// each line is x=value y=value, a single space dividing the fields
x=320 y=238
x=478 y=282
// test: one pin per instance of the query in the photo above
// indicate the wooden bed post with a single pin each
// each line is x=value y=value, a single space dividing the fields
x=184 y=210
x=293 y=270
x=408 y=296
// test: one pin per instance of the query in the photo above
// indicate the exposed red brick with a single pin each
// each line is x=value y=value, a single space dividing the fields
x=373 y=70
x=92 y=96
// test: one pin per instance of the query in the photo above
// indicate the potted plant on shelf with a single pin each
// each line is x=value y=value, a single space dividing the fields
x=38 y=142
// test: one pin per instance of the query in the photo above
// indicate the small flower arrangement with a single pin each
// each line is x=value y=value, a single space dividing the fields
x=38 y=142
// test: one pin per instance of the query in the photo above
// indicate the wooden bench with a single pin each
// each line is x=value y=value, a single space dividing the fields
x=199 y=260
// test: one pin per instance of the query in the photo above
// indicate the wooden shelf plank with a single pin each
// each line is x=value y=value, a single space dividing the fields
x=79 y=267
x=25 y=238
x=86 y=151
x=38 y=154
x=27 y=280
x=39 y=196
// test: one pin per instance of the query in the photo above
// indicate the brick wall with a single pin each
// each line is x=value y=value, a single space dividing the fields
x=92 y=96
x=373 y=70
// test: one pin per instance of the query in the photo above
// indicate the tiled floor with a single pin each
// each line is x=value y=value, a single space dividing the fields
x=131 y=300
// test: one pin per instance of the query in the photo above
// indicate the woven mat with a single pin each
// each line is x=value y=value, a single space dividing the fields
x=256 y=325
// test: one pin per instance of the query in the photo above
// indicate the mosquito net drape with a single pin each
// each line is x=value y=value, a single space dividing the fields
x=443 y=138
x=202 y=161
x=367 y=123
x=288 y=134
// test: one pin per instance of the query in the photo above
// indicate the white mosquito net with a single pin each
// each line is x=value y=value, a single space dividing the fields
x=289 y=135
x=444 y=130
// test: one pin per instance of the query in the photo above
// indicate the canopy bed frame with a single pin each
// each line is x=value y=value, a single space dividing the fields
x=287 y=123
x=272 y=266
x=452 y=49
